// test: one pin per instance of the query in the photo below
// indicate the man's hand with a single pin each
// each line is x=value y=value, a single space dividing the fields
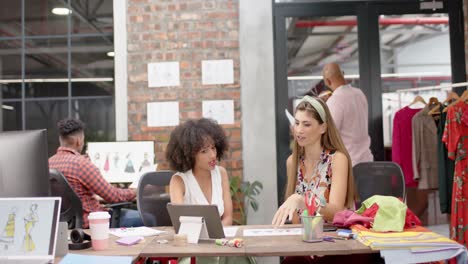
x=287 y=209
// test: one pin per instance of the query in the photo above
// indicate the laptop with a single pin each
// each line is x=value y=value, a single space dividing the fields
x=28 y=229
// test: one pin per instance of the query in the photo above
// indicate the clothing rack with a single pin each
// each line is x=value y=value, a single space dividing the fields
x=444 y=87
x=437 y=87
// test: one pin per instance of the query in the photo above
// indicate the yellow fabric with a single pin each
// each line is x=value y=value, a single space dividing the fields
x=403 y=240
x=391 y=214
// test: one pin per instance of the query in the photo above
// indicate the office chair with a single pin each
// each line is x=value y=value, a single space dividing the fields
x=379 y=178
x=71 y=210
x=152 y=198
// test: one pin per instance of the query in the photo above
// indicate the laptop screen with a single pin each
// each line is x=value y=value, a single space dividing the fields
x=28 y=226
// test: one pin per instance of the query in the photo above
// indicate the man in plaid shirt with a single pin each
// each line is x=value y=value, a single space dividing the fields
x=85 y=178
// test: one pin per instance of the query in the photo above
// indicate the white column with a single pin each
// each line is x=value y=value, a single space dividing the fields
x=120 y=69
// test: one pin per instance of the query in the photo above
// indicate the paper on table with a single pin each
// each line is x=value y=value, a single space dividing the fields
x=230 y=231
x=273 y=232
x=76 y=258
x=135 y=182
x=135 y=231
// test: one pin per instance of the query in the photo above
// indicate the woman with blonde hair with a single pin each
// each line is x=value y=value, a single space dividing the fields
x=319 y=164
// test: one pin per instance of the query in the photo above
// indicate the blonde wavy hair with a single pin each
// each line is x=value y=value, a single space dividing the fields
x=330 y=140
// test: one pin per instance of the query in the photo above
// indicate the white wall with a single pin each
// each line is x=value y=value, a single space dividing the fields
x=435 y=50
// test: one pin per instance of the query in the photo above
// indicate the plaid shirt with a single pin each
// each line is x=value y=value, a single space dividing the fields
x=85 y=178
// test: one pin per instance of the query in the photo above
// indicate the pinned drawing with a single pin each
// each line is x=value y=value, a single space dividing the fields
x=8 y=235
x=106 y=163
x=129 y=167
x=116 y=160
x=29 y=222
x=145 y=162
x=97 y=159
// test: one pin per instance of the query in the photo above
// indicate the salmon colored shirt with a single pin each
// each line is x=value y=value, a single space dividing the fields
x=348 y=107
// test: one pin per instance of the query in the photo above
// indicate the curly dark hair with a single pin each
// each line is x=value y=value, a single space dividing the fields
x=69 y=126
x=189 y=138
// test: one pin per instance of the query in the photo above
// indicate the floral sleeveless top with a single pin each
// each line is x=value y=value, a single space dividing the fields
x=319 y=182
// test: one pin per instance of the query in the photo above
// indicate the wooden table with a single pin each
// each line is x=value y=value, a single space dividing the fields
x=114 y=248
x=254 y=246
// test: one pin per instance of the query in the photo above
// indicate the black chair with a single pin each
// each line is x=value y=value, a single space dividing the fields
x=379 y=177
x=71 y=210
x=153 y=197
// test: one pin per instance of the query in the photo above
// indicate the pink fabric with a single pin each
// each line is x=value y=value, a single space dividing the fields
x=402 y=144
x=349 y=109
x=347 y=218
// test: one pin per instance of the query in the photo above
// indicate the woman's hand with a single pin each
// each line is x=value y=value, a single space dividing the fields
x=287 y=209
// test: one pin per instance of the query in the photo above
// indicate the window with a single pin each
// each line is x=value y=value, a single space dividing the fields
x=56 y=61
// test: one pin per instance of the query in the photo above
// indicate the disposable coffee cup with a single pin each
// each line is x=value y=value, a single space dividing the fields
x=312 y=228
x=99 y=226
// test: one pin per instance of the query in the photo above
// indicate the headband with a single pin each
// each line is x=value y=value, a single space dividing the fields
x=316 y=105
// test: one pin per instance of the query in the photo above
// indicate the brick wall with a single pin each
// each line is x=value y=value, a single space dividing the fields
x=186 y=31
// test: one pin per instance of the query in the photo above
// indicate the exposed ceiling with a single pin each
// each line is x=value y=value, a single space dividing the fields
x=313 y=42
x=46 y=43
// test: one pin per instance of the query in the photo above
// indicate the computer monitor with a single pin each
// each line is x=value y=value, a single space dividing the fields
x=123 y=161
x=24 y=167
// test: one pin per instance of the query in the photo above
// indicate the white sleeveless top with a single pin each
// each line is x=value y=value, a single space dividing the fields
x=194 y=195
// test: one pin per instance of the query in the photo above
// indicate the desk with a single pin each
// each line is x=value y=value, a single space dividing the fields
x=114 y=248
x=254 y=246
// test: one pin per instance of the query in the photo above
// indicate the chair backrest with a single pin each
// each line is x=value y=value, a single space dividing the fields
x=71 y=210
x=379 y=177
x=153 y=197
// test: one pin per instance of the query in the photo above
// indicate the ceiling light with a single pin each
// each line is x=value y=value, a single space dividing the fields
x=61 y=11
x=8 y=107
x=110 y=54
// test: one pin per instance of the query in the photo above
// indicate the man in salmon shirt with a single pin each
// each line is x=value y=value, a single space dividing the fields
x=349 y=109
x=85 y=178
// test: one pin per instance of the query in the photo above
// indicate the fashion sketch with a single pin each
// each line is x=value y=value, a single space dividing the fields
x=29 y=222
x=145 y=162
x=106 y=163
x=116 y=160
x=7 y=237
x=129 y=167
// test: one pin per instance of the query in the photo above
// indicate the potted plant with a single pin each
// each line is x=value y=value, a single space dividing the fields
x=244 y=193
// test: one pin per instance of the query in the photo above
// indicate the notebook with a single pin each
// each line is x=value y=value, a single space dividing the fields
x=28 y=229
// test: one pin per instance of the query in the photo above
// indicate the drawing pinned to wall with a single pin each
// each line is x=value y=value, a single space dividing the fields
x=8 y=235
x=30 y=221
x=220 y=110
x=217 y=72
x=162 y=114
x=162 y=74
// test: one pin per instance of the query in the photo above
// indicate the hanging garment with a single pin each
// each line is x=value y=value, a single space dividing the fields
x=424 y=133
x=456 y=139
x=446 y=169
x=402 y=143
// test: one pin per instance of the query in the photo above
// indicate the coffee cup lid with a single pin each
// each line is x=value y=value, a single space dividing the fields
x=98 y=215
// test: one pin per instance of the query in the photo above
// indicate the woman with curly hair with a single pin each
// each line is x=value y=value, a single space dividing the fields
x=193 y=151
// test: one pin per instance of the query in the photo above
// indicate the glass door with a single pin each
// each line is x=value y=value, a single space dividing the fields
x=375 y=43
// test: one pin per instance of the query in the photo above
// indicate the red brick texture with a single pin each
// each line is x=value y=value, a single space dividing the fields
x=186 y=31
